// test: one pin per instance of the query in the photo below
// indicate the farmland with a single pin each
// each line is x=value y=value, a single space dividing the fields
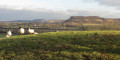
x=66 y=45
x=2 y=35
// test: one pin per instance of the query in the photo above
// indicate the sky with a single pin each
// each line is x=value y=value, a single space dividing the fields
x=57 y=9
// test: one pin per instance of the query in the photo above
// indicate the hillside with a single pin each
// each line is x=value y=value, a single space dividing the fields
x=74 y=45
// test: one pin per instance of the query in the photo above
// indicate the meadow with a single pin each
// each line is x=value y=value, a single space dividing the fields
x=66 y=45
x=2 y=35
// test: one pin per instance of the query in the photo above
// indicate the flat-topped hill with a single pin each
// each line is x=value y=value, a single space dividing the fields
x=85 y=17
x=91 y=19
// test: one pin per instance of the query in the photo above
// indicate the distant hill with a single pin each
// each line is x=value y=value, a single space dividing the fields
x=35 y=20
x=21 y=21
x=39 y=20
x=90 y=19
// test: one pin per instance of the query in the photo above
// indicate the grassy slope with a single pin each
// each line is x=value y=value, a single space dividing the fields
x=62 y=45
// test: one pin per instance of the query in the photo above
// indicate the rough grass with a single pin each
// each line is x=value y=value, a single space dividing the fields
x=70 y=45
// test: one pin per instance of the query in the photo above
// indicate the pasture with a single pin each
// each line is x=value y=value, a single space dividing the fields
x=66 y=45
x=2 y=35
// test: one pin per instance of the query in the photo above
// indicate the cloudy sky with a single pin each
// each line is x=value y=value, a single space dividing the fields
x=57 y=9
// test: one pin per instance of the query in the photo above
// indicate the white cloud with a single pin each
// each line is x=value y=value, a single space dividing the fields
x=11 y=14
x=57 y=9
x=29 y=14
x=114 y=3
x=21 y=4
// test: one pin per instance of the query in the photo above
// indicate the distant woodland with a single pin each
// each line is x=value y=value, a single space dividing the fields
x=74 y=22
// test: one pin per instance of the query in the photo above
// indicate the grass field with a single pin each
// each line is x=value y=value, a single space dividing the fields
x=70 y=45
x=4 y=35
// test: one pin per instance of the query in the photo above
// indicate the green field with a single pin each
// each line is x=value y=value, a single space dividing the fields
x=4 y=35
x=70 y=45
